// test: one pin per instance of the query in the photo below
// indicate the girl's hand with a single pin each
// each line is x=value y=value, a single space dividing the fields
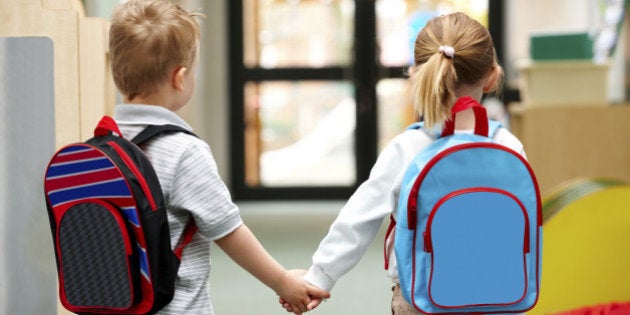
x=311 y=306
x=297 y=295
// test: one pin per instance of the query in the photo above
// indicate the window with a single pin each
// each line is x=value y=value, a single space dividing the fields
x=318 y=87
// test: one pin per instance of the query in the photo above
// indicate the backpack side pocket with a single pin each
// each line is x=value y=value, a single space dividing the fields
x=98 y=258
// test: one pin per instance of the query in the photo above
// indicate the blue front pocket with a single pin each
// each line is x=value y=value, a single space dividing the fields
x=478 y=239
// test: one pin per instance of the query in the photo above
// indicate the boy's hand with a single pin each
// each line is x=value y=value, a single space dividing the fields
x=297 y=295
x=315 y=301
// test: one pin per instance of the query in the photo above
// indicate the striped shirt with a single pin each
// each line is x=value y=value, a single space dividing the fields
x=192 y=188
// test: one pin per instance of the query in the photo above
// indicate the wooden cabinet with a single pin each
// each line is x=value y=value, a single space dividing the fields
x=567 y=142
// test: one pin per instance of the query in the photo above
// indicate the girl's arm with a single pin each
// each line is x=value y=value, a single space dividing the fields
x=359 y=220
x=245 y=249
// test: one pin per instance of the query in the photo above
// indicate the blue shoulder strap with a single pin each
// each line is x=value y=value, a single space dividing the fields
x=493 y=128
x=419 y=125
x=416 y=125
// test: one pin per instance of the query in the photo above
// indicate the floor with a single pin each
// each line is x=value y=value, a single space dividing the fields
x=291 y=231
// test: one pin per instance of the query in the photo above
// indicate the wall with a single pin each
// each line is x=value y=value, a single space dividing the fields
x=53 y=89
x=27 y=139
x=208 y=111
x=526 y=17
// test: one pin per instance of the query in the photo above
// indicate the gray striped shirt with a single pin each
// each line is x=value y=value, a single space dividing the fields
x=192 y=187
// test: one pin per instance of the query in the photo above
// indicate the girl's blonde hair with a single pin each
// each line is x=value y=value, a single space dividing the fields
x=437 y=72
x=147 y=40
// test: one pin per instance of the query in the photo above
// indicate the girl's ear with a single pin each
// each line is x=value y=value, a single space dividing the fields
x=178 y=78
x=491 y=81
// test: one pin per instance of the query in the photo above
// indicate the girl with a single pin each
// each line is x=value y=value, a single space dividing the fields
x=454 y=57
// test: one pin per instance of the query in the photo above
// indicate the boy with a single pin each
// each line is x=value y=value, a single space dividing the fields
x=154 y=46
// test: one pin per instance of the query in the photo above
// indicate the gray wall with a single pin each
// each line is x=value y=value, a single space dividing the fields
x=27 y=140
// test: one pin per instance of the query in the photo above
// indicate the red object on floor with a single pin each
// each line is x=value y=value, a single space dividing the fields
x=614 y=308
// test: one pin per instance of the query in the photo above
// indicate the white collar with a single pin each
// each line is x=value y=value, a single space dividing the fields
x=135 y=114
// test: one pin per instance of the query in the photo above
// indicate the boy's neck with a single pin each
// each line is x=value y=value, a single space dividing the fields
x=159 y=98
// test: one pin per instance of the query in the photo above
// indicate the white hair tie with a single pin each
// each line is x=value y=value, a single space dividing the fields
x=447 y=51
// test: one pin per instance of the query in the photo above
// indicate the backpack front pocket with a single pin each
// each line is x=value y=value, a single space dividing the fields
x=98 y=258
x=478 y=240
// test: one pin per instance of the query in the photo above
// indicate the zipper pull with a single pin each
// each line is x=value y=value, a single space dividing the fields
x=412 y=208
x=428 y=246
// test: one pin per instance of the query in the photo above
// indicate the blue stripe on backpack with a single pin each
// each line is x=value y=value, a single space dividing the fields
x=469 y=224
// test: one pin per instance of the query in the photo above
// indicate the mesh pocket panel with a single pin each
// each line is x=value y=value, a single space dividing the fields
x=94 y=257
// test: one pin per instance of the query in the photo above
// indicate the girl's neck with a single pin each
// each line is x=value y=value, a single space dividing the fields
x=465 y=120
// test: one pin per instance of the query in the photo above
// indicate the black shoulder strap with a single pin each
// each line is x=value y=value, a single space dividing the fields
x=154 y=130
x=148 y=133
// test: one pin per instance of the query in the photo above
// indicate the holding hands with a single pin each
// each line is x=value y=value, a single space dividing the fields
x=297 y=295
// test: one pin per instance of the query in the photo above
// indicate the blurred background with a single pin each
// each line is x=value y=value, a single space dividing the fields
x=296 y=99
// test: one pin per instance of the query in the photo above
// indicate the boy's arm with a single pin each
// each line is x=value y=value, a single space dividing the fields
x=243 y=247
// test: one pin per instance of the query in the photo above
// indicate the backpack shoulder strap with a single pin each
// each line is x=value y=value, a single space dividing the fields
x=493 y=128
x=154 y=130
x=189 y=231
x=389 y=241
x=416 y=125
x=432 y=133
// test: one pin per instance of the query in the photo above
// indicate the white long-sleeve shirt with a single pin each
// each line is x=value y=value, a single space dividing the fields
x=360 y=219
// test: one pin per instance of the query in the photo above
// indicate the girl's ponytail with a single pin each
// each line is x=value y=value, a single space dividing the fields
x=433 y=85
x=450 y=51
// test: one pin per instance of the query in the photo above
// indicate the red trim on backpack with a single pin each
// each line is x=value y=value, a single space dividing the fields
x=106 y=126
x=59 y=213
x=480 y=305
x=412 y=201
x=428 y=244
x=481 y=117
x=136 y=172
x=386 y=244
x=412 y=210
x=187 y=235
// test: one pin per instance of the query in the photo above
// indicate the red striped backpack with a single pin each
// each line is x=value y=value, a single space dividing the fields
x=109 y=225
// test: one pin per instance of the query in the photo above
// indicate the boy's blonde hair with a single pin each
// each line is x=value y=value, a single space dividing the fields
x=437 y=73
x=147 y=40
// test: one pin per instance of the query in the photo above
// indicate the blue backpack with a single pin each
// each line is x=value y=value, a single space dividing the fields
x=469 y=224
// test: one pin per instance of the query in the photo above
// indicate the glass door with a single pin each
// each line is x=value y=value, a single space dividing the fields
x=318 y=87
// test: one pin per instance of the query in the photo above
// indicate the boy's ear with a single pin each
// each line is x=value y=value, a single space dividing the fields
x=491 y=81
x=178 y=78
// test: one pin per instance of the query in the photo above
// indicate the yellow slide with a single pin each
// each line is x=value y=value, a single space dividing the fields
x=586 y=246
